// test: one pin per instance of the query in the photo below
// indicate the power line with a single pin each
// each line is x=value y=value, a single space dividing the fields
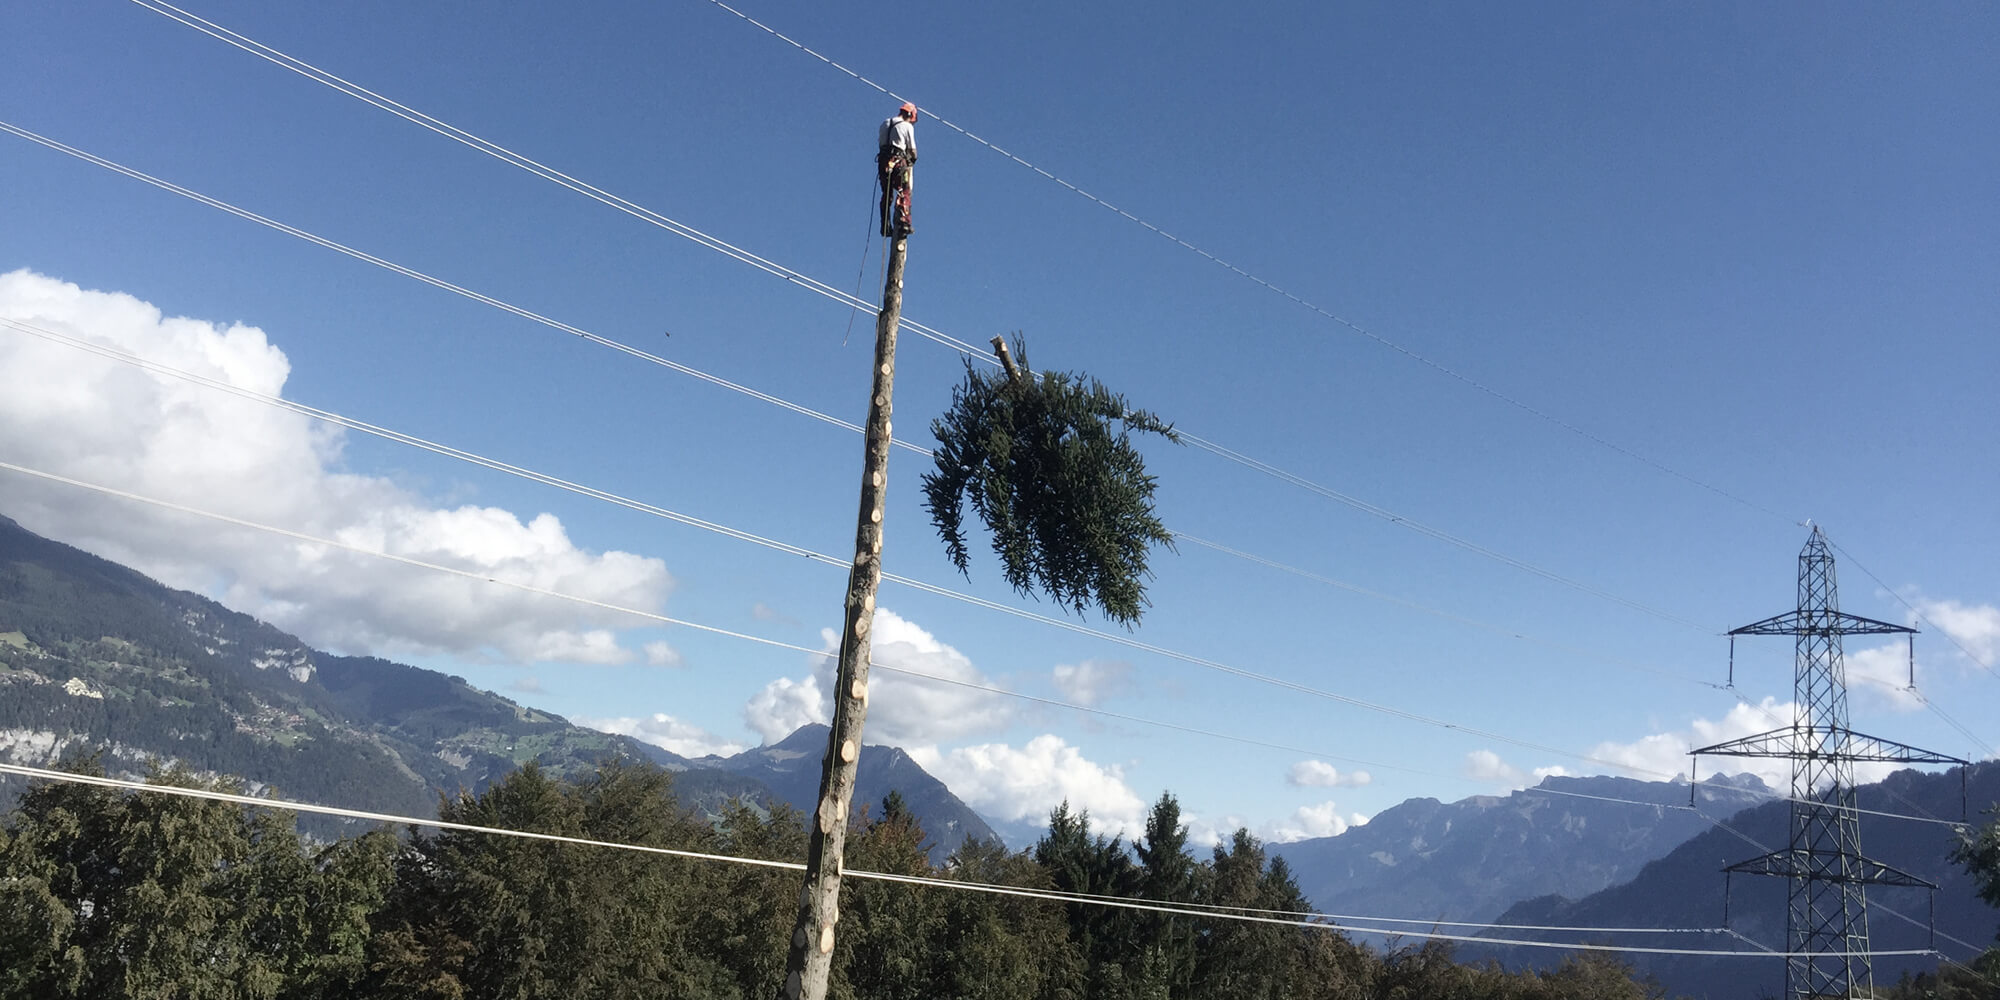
x=1324 y=313
x=470 y=140
x=1917 y=613
x=1441 y=613
x=536 y=167
x=648 y=356
x=1306 y=921
x=1762 y=847
x=434 y=282
x=822 y=288
x=507 y=155
x=830 y=560
x=1424 y=529
x=1768 y=796
x=779 y=644
x=1780 y=723
x=532 y=475
x=114 y=354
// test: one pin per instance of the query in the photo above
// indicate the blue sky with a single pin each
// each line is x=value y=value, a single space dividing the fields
x=1656 y=286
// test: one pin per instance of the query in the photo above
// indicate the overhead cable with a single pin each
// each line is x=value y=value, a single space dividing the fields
x=1407 y=352
x=779 y=644
x=435 y=282
x=1305 y=921
x=636 y=210
x=114 y=354
x=1424 y=529
x=648 y=356
x=1917 y=613
x=537 y=168
x=830 y=560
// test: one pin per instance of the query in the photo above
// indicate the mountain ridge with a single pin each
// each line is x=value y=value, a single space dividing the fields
x=1686 y=887
x=1470 y=859
x=94 y=654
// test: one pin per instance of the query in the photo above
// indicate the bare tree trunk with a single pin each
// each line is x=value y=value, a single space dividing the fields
x=809 y=963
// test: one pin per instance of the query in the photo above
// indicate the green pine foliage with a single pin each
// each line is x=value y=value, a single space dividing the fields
x=115 y=894
x=1979 y=855
x=1047 y=462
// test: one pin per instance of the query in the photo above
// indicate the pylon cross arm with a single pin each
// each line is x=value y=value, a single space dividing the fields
x=1798 y=862
x=1850 y=745
x=1820 y=622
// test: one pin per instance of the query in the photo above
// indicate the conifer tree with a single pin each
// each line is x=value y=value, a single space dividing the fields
x=1047 y=462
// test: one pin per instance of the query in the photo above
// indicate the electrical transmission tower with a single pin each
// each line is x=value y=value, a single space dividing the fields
x=1826 y=918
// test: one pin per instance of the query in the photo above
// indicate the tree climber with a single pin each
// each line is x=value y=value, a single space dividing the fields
x=896 y=153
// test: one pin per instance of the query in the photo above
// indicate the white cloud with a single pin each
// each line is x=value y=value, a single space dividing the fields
x=1012 y=784
x=65 y=412
x=1485 y=765
x=902 y=710
x=668 y=733
x=564 y=646
x=1320 y=774
x=1974 y=626
x=784 y=705
x=1322 y=820
x=1092 y=681
x=1305 y=822
x=661 y=654
x=1664 y=755
x=526 y=685
x=1882 y=675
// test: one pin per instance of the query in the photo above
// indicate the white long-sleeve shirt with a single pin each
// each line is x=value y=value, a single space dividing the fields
x=897 y=133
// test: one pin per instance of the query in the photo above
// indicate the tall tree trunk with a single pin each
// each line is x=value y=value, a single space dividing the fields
x=809 y=963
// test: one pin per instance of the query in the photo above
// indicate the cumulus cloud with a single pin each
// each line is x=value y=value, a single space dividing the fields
x=1092 y=681
x=668 y=733
x=903 y=710
x=1973 y=626
x=1320 y=774
x=1881 y=674
x=1013 y=784
x=1485 y=765
x=1304 y=823
x=1666 y=753
x=65 y=412
x=784 y=705
x=660 y=654
x=1322 y=820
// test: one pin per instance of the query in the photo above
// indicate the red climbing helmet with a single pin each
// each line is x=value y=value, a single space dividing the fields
x=909 y=109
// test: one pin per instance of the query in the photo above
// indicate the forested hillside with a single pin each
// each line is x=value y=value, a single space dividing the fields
x=96 y=656
x=112 y=893
x=1686 y=888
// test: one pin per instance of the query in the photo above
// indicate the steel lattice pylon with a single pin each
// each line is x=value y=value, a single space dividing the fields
x=1826 y=918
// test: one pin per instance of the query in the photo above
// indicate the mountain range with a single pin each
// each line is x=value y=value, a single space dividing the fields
x=1472 y=859
x=1686 y=888
x=95 y=656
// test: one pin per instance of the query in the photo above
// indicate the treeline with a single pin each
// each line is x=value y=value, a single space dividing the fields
x=112 y=894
